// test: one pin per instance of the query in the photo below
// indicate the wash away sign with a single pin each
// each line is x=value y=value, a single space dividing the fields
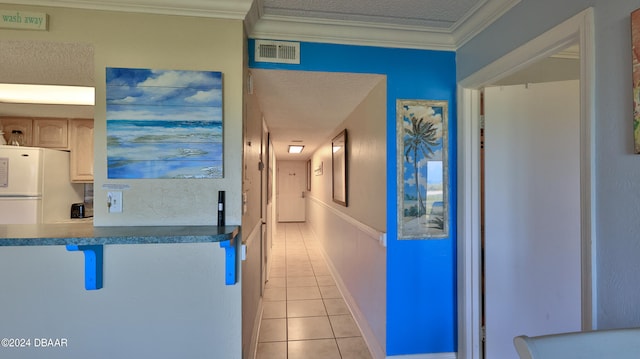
x=11 y=19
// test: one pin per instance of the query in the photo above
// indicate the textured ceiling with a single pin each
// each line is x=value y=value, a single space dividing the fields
x=307 y=106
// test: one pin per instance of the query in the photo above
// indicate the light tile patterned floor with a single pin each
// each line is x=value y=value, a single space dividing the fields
x=304 y=315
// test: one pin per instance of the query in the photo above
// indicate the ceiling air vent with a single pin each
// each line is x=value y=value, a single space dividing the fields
x=283 y=52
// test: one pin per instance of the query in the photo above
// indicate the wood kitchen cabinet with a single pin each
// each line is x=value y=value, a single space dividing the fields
x=38 y=132
x=17 y=123
x=74 y=135
x=81 y=150
x=51 y=133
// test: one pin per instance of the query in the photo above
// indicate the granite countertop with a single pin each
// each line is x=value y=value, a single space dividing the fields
x=87 y=234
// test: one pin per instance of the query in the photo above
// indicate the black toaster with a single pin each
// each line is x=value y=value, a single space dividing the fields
x=77 y=210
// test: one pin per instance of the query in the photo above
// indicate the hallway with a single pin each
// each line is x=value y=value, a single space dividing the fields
x=304 y=314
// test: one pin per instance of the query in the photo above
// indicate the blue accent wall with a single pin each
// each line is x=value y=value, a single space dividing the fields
x=421 y=274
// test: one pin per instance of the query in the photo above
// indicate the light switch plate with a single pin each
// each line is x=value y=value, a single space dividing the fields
x=114 y=201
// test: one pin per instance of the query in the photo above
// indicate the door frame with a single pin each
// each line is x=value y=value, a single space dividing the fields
x=578 y=29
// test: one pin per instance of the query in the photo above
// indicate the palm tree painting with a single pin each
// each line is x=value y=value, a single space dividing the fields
x=422 y=169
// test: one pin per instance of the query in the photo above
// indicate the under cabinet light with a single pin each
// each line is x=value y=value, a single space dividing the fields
x=47 y=94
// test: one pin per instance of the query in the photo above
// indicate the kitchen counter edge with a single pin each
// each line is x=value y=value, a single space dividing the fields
x=87 y=234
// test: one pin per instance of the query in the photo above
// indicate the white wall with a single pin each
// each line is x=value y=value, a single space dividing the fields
x=160 y=301
x=367 y=166
x=351 y=236
x=252 y=224
x=251 y=291
x=547 y=70
x=617 y=167
x=152 y=41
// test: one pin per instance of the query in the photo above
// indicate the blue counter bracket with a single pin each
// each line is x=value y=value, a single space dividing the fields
x=93 y=255
x=93 y=263
x=230 y=257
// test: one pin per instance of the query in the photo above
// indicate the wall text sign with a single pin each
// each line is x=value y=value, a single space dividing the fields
x=12 y=19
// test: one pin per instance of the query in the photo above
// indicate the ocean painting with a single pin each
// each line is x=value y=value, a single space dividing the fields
x=164 y=124
x=422 y=169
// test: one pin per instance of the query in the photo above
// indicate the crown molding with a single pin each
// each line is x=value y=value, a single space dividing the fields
x=260 y=25
x=225 y=9
x=253 y=15
x=479 y=19
x=351 y=32
x=385 y=35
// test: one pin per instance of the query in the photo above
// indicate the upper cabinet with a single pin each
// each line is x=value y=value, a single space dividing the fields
x=81 y=146
x=51 y=133
x=9 y=124
x=38 y=132
x=74 y=135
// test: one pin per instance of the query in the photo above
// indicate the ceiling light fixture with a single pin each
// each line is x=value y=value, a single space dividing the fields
x=47 y=94
x=295 y=148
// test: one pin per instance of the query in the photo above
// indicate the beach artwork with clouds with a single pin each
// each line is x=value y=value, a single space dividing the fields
x=164 y=124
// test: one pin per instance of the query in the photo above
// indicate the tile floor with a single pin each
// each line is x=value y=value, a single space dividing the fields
x=304 y=315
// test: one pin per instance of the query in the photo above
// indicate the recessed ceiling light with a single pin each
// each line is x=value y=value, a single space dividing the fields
x=47 y=94
x=295 y=148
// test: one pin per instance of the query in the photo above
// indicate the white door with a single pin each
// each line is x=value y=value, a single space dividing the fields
x=532 y=213
x=291 y=191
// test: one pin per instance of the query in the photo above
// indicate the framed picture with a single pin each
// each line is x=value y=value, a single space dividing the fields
x=339 y=168
x=317 y=170
x=268 y=156
x=164 y=124
x=309 y=175
x=635 y=51
x=422 y=177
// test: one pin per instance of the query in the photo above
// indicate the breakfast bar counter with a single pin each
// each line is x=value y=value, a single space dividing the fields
x=87 y=234
x=90 y=240
x=151 y=291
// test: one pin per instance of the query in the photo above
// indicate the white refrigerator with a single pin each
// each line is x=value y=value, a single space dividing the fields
x=35 y=186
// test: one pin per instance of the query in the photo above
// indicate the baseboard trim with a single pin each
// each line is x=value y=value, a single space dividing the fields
x=426 y=356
